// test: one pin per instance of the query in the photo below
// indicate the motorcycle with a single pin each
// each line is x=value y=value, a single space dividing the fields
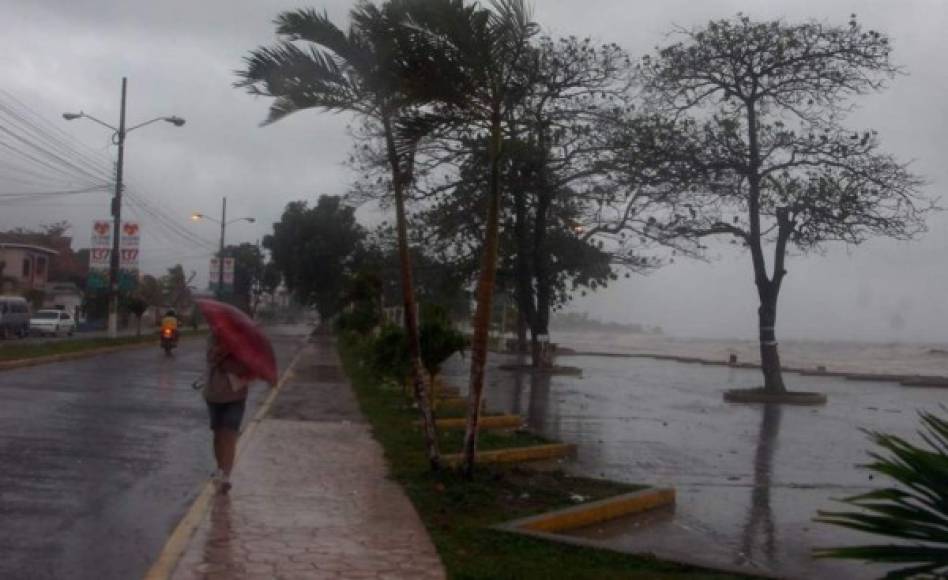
x=169 y=340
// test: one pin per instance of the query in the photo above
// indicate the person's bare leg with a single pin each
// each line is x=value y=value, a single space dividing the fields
x=219 y=449
x=228 y=450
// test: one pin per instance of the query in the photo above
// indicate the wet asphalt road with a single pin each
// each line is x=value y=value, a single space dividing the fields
x=101 y=457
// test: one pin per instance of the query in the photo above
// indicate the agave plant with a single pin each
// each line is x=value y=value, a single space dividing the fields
x=916 y=510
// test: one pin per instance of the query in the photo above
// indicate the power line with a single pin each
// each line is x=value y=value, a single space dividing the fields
x=91 y=189
x=42 y=147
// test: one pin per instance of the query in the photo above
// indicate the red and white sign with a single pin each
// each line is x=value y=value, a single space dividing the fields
x=100 y=249
x=228 y=271
x=100 y=252
x=215 y=272
x=131 y=235
x=128 y=258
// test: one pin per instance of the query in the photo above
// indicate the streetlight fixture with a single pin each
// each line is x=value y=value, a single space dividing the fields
x=223 y=223
x=118 y=138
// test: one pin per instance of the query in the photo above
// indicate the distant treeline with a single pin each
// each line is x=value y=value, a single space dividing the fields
x=581 y=321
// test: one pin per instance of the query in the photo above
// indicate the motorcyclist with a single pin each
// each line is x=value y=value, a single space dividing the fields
x=170 y=321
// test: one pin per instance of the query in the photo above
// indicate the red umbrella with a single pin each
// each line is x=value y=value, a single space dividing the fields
x=238 y=333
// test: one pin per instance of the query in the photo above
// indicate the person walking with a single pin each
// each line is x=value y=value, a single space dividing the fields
x=225 y=392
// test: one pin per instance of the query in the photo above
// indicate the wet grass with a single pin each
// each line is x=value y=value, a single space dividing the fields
x=11 y=350
x=459 y=512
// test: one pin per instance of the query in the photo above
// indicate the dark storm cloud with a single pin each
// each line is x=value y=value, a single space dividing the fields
x=59 y=55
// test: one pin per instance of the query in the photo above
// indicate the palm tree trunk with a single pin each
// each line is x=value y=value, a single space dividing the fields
x=420 y=386
x=485 y=295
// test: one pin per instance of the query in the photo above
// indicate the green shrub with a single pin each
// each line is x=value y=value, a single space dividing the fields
x=917 y=510
x=360 y=319
x=438 y=337
x=389 y=353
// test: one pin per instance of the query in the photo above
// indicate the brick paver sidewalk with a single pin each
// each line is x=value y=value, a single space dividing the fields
x=310 y=496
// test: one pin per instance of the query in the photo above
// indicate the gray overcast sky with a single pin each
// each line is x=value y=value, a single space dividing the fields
x=179 y=56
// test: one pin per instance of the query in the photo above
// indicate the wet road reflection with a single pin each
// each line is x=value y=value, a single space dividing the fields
x=750 y=478
x=100 y=458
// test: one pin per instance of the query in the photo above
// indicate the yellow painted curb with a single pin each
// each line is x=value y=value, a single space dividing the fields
x=177 y=542
x=486 y=422
x=516 y=454
x=598 y=511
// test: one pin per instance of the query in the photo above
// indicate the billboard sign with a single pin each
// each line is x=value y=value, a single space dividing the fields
x=215 y=274
x=100 y=254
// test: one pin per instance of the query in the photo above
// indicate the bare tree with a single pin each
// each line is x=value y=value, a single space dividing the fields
x=757 y=110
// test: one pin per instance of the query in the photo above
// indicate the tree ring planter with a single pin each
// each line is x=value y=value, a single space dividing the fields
x=759 y=395
x=547 y=370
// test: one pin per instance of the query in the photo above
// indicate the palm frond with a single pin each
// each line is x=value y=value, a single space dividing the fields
x=311 y=26
x=298 y=79
x=511 y=25
x=916 y=511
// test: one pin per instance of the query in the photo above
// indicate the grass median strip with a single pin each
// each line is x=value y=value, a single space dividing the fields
x=459 y=513
x=12 y=351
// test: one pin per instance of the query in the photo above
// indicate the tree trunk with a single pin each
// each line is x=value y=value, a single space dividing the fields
x=521 y=332
x=420 y=386
x=138 y=328
x=485 y=294
x=767 y=288
x=769 y=356
x=523 y=276
x=541 y=325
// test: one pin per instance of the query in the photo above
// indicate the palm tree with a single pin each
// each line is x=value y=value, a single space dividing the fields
x=915 y=509
x=360 y=71
x=485 y=50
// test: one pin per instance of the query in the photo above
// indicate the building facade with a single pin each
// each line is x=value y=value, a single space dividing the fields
x=24 y=267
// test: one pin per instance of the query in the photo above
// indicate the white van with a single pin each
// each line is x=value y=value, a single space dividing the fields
x=14 y=316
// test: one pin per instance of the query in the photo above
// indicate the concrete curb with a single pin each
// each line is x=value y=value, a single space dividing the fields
x=803 y=398
x=549 y=526
x=516 y=454
x=555 y=370
x=486 y=422
x=595 y=512
x=903 y=379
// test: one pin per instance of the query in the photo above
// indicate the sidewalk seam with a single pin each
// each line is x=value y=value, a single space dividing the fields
x=177 y=542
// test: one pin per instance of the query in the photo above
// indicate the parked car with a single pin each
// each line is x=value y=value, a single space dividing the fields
x=14 y=316
x=53 y=322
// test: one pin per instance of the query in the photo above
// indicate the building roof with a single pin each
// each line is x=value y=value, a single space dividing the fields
x=31 y=247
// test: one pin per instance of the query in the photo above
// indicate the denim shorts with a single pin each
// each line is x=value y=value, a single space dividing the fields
x=226 y=415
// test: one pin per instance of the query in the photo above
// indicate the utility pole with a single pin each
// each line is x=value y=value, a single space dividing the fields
x=118 y=138
x=114 y=264
x=220 y=256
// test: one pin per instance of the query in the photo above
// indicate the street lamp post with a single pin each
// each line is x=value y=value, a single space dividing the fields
x=220 y=256
x=118 y=138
